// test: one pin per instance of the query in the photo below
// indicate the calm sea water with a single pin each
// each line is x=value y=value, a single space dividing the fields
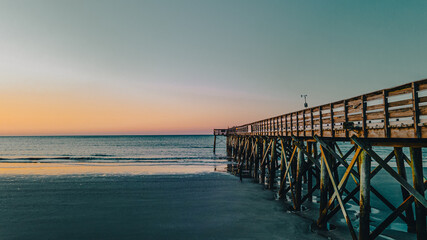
x=179 y=150
x=183 y=150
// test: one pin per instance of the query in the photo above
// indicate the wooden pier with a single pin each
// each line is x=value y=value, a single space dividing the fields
x=287 y=151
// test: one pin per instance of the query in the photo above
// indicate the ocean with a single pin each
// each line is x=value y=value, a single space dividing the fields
x=150 y=187
x=187 y=150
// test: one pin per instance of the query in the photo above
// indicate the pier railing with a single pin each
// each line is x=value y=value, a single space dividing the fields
x=398 y=112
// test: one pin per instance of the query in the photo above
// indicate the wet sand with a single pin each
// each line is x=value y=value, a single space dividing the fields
x=132 y=206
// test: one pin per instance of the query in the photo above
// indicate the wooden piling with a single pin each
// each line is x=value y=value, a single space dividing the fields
x=417 y=177
x=214 y=145
x=264 y=151
x=365 y=203
x=298 y=182
x=323 y=193
x=256 y=154
x=400 y=164
x=272 y=168
x=310 y=172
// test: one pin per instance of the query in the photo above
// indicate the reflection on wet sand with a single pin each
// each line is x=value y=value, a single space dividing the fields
x=101 y=168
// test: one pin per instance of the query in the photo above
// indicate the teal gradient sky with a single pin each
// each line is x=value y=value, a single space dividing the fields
x=159 y=67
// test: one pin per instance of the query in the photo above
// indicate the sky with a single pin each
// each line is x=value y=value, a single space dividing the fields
x=186 y=67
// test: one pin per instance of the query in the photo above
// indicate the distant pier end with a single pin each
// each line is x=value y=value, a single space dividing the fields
x=300 y=155
x=218 y=132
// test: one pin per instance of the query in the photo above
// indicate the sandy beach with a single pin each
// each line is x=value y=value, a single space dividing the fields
x=191 y=206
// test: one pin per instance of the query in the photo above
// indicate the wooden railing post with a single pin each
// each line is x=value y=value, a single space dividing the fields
x=416 y=110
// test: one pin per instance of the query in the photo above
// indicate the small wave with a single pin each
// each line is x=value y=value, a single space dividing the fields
x=99 y=157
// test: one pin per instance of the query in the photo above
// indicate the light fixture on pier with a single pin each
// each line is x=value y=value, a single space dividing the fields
x=305 y=100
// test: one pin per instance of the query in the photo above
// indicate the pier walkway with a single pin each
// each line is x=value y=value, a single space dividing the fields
x=298 y=155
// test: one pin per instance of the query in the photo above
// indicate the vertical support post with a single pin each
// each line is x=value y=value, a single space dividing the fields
x=303 y=122
x=257 y=152
x=282 y=161
x=332 y=120
x=281 y=125
x=272 y=170
x=400 y=164
x=386 y=115
x=292 y=125
x=310 y=172
x=416 y=110
x=214 y=144
x=364 y=128
x=332 y=162
x=311 y=122
x=324 y=182
x=314 y=147
x=297 y=119
x=417 y=177
x=247 y=148
x=298 y=182
x=286 y=125
x=264 y=150
x=345 y=117
x=365 y=203
x=320 y=122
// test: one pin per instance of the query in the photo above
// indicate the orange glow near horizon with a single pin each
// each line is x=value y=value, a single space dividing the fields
x=40 y=115
x=87 y=112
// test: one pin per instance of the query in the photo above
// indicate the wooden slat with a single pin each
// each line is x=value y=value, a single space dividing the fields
x=325 y=115
x=374 y=96
x=422 y=99
x=339 y=104
x=352 y=109
x=326 y=121
x=423 y=110
x=339 y=119
x=404 y=89
x=401 y=112
x=400 y=103
x=356 y=117
x=339 y=113
x=375 y=107
x=422 y=85
x=352 y=103
x=375 y=115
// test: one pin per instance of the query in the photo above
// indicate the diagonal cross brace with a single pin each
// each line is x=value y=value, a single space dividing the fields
x=296 y=142
x=344 y=211
x=396 y=176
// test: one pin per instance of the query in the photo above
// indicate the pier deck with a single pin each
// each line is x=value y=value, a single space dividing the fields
x=300 y=148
